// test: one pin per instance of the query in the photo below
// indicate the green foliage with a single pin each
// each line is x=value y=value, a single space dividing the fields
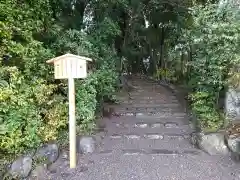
x=98 y=85
x=203 y=106
x=26 y=112
x=101 y=81
x=72 y=41
x=33 y=107
x=214 y=42
x=167 y=74
x=31 y=111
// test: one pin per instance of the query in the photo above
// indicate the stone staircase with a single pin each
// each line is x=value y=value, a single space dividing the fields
x=151 y=122
x=148 y=140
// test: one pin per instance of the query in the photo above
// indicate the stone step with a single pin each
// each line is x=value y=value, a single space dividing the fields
x=149 y=136
x=146 y=111
x=142 y=97
x=161 y=115
x=128 y=101
x=149 y=151
x=141 y=129
x=150 y=95
x=147 y=84
x=154 y=87
x=158 y=125
x=153 y=115
x=144 y=87
x=144 y=106
x=150 y=108
x=133 y=120
x=149 y=92
x=117 y=142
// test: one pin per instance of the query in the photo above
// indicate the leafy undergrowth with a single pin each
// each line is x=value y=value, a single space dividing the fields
x=204 y=60
x=34 y=106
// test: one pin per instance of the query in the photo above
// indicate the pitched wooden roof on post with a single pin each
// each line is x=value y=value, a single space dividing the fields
x=70 y=66
x=70 y=56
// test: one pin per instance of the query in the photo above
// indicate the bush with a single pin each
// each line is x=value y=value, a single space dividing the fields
x=213 y=40
x=203 y=106
x=98 y=85
x=27 y=111
x=101 y=81
x=33 y=107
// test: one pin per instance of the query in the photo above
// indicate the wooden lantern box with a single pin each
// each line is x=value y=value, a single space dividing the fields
x=70 y=66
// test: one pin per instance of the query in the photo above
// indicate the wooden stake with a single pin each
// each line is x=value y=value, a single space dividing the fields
x=72 y=123
x=70 y=66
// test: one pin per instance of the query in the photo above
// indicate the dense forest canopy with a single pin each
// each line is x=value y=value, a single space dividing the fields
x=191 y=42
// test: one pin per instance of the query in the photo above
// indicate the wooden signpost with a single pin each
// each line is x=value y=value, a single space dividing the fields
x=71 y=66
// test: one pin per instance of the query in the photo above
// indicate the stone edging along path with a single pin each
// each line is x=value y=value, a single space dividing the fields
x=215 y=143
x=34 y=164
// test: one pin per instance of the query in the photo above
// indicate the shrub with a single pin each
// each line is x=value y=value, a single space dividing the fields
x=98 y=85
x=27 y=111
x=213 y=40
x=33 y=106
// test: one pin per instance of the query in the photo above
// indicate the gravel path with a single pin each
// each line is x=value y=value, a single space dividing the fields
x=149 y=141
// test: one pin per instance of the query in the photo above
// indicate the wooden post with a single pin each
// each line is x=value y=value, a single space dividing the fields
x=72 y=123
x=70 y=66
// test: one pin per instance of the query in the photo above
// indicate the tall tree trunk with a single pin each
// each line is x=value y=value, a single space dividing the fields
x=143 y=68
x=152 y=67
x=189 y=60
x=182 y=66
x=79 y=13
x=161 y=64
x=155 y=61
